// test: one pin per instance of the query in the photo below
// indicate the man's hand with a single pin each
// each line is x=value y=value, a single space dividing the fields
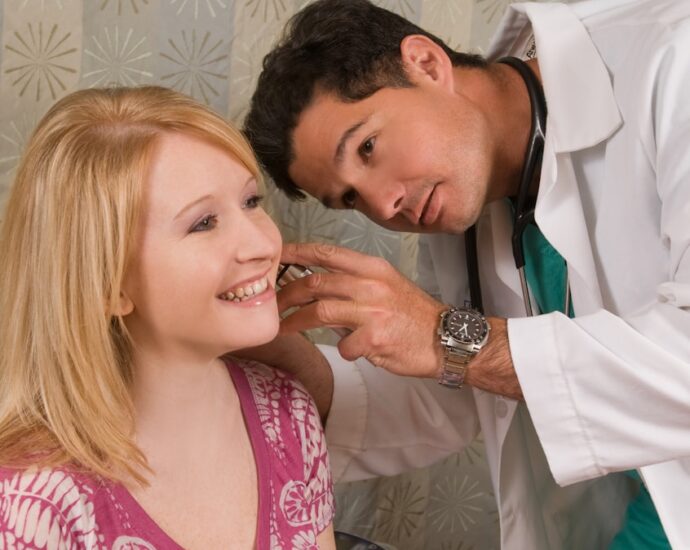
x=393 y=321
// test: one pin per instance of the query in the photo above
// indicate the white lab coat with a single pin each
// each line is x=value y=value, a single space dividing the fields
x=610 y=390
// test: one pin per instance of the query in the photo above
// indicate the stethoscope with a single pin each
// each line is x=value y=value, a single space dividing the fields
x=523 y=203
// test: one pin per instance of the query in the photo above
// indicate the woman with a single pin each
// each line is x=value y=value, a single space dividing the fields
x=135 y=258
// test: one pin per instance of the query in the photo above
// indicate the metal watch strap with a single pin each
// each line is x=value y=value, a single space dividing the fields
x=457 y=353
x=454 y=367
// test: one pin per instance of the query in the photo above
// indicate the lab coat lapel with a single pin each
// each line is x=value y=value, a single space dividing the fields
x=560 y=217
x=577 y=87
x=582 y=113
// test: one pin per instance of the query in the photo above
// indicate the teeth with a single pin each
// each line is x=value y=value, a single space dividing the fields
x=244 y=293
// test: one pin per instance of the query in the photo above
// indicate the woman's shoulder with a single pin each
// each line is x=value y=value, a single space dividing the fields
x=286 y=410
x=62 y=508
x=46 y=505
x=294 y=436
x=59 y=487
x=270 y=384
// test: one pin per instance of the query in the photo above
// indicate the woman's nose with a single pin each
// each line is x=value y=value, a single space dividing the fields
x=258 y=239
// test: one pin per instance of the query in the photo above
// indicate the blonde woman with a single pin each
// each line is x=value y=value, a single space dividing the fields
x=135 y=256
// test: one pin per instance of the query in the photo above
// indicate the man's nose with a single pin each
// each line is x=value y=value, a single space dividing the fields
x=384 y=201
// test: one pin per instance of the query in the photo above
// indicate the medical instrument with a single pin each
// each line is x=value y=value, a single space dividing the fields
x=523 y=203
x=291 y=272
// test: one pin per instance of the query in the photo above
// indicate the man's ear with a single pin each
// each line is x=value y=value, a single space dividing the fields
x=122 y=305
x=423 y=59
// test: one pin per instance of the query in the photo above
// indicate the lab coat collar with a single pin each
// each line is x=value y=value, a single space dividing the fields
x=575 y=79
x=582 y=113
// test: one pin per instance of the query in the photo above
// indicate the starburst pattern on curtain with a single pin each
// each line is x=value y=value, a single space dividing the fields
x=41 y=60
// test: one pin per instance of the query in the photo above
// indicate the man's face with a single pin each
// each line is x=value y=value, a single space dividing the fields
x=412 y=159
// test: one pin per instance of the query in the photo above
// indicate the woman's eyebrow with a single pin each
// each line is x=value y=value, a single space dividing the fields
x=193 y=203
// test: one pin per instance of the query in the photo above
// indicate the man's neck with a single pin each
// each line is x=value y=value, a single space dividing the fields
x=510 y=114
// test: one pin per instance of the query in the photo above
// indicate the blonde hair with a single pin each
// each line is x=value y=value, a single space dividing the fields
x=65 y=371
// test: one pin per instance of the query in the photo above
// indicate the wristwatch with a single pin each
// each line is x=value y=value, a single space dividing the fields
x=463 y=332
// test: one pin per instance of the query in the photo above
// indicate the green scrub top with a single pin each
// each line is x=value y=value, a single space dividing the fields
x=545 y=270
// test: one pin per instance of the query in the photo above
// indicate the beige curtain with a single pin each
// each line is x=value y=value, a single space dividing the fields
x=212 y=50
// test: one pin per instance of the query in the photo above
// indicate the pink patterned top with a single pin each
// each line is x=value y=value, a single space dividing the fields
x=55 y=508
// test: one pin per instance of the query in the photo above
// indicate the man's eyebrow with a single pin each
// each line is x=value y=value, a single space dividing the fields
x=347 y=134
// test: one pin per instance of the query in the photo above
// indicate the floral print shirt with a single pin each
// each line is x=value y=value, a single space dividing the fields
x=62 y=509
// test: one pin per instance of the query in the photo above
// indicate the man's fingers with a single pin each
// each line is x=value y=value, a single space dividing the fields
x=333 y=258
x=358 y=344
x=340 y=286
x=324 y=313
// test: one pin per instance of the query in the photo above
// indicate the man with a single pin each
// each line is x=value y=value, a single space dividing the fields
x=361 y=109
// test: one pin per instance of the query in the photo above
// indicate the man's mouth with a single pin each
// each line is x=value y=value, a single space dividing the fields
x=246 y=291
x=425 y=210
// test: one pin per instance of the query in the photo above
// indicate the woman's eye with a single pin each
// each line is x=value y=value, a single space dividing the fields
x=208 y=222
x=254 y=201
x=367 y=148
x=349 y=198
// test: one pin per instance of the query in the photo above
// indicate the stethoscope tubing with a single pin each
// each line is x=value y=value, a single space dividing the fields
x=523 y=204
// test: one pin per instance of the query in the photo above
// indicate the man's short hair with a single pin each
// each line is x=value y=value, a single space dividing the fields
x=350 y=48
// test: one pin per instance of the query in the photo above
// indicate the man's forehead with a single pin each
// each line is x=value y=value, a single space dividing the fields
x=315 y=137
x=325 y=122
x=324 y=131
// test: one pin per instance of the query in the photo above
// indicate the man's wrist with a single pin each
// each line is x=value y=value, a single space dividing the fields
x=492 y=369
x=462 y=333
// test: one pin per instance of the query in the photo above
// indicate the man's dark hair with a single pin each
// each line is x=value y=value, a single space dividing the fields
x=350 y=48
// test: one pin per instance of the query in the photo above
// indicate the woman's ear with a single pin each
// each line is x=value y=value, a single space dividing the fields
x=122 y=305
x=424 y=60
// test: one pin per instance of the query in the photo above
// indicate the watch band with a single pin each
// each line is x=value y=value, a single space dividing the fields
x=454 y=367
x=457 y=353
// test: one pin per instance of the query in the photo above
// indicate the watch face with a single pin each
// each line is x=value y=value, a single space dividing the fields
x=466 y=326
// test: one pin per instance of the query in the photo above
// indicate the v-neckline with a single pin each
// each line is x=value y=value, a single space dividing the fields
x=263 y=471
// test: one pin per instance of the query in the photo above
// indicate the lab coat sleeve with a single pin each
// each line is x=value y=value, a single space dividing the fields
x=610 y=393
x=383 y=424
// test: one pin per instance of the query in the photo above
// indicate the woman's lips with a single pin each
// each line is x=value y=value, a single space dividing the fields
x=256 y=300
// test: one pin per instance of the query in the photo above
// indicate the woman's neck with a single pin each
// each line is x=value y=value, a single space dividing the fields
x=182 y=403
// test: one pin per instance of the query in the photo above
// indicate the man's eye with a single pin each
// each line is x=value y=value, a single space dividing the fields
x=254 y=201
x=367 y=148
x=208 y=222
x=349 y=198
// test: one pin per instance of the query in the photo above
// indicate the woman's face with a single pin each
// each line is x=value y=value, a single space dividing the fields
x=202 y=279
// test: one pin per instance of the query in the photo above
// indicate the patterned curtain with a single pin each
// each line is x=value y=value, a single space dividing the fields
x=212 y=50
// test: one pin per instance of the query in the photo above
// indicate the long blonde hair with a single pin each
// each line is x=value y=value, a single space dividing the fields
x=67 y=237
